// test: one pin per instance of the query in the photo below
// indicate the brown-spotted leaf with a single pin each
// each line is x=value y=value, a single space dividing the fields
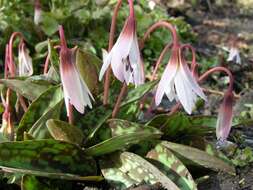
x=42 y=109
x=124 y=133
x=48 y=158
x=126 y=169
x=26 y=88
x=63 y=131
x=198 y=157
x=171 y=166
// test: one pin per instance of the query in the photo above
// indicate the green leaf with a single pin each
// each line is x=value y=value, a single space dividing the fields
x=30 y=182
x=26 y=88
x=88 y=66
x=39 y=129
x=124 y=133
x=172 y=167
x=49 y=24
x=198 y=157
x=93 y=120
x=63 y=131
x=44 y=105
x=127 y=169
x=137 y=93
x=179 y=124
x=48 y=158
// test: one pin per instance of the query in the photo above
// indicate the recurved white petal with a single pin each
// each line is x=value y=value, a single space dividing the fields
x=136 y=62
x=25 y=67
x=190 y=80
x=106 y=63
x=185 y=93
x=166 y=82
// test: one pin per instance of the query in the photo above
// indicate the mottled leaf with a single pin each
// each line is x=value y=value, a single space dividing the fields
x=179 y=124
x=39 y=129
x=124 y=133
x=198 y=157
x=26 y=88
x=63 y=131
x=41 y=106
x=137 y=93
x=93 y=120
x=48 y=158
x=126 y=169
x=171 y=166
x=30 y=182
x=88 y=66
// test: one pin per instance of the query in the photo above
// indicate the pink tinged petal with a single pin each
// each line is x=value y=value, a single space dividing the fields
x=106 y=63
x=121 y=49
x=190 y=80
x=224 y=121
x=37 y=16
x=75 y=90
x=165 y=84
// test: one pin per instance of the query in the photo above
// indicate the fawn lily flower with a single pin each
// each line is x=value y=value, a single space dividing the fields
x=37 y=12
x=224 y=121
x=25 y=67
x=234 y=55
x=124 y=57
x=75 y=89
x=177 y=82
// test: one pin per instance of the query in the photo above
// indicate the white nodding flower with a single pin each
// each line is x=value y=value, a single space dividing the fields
x=234 y=55
x=76 y=92
x=177 y=82
x=124 y=57
x=25 y=67
x=37 y=12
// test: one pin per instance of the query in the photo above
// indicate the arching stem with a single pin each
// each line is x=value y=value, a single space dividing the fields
x=119 y=99
x=160 y=24
x=219 y=69
x=111 y=42
x=194 y=65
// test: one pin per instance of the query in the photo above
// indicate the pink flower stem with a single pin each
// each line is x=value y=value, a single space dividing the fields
x=111 y=42
x=11 y=64
x=120 y=97
x=70 y=116
x=160 y=24
x=131 y=8
x=219 y=69
x=6 y=62
x=194 y=65
x=64 y=48
x=37 y=4
x=46 y=64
